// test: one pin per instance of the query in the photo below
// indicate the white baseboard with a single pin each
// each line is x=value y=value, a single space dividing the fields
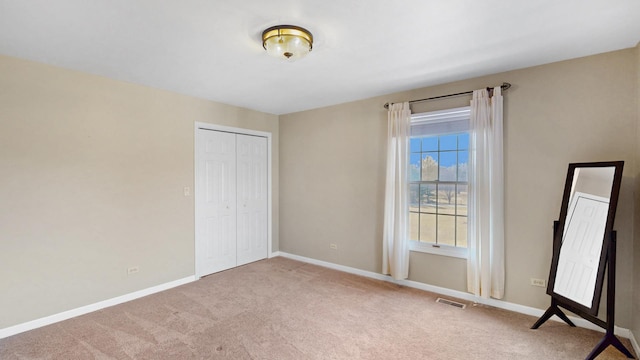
x=48 y=320
x=634 y=343
x=622 y=332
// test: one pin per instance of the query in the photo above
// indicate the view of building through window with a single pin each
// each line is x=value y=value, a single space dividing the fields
x=438 y=189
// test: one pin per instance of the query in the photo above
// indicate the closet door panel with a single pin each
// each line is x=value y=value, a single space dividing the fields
x=217 y=202
x=251 y=198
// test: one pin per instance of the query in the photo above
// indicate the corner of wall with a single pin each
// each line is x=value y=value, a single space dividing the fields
x=635 y=311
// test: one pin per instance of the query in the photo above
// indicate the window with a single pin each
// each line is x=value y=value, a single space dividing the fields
x=438 y=182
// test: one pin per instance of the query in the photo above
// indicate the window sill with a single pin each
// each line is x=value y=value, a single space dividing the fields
x=443 y=250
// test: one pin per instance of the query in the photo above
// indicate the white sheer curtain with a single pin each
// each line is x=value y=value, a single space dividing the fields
x=395 y=247
x=485 y=264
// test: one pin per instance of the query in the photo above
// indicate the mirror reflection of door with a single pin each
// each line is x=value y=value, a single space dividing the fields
x=581 y=247
x=583 y=235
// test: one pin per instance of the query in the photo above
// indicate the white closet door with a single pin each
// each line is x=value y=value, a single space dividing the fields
x=252 y=198
x=216 y=189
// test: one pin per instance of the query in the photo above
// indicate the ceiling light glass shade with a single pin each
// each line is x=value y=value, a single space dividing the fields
x=287 y=42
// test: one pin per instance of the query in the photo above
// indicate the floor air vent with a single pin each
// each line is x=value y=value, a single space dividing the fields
x=452 y=303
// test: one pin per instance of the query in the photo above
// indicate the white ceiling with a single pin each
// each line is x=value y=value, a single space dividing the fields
x=212 y=48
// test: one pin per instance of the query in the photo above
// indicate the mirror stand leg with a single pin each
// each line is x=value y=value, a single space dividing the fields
x=564 y=317
x=609 y=339
x=552 y=310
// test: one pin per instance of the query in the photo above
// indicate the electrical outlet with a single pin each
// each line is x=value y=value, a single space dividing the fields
x=538 y=282
x=333 y=246
x=187 y=191
x=133 y=270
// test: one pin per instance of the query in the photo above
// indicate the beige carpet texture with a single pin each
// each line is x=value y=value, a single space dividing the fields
x=284 y=309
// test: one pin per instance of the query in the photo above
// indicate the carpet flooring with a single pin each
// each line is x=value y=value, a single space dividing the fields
x=284 y=309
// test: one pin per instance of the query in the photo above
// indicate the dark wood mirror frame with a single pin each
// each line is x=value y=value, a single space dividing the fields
x=607 y=260
x=557 y=241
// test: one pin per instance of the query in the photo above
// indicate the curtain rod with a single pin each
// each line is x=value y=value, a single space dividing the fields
x=504 y=86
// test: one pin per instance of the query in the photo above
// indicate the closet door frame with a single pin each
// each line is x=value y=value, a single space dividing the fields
x=200 y=126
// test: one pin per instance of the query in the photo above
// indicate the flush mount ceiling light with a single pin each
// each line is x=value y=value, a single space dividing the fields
x=287 y=41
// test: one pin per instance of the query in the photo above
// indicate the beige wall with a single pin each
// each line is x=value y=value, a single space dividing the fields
x=332 y=170
x=92 y=177
x=636 y=248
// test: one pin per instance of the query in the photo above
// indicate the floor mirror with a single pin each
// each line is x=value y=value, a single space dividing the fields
x=584 y=249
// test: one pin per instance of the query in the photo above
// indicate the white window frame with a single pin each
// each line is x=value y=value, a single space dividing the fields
x=433 y=117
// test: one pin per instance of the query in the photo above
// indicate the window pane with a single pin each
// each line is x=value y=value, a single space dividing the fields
x=428 y=199
x=463 y=165
x=462 y=198
x=448 y=166
x=448 y=142
x=414 y=144
x=446 y=230
x=461 y=226
x=447 y=199
x=414 y=167
x=430 y=166
x=414 y=197
x=463 y=141
x=430 y=143
x=414 y=218
x=428 y=228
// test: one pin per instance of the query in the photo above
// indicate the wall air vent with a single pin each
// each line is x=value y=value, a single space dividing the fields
x=450 y=302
